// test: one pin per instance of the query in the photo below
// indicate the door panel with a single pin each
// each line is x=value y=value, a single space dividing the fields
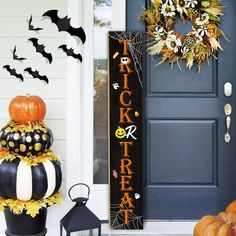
x=170 y=82
x=189 y=167
x=171 y=154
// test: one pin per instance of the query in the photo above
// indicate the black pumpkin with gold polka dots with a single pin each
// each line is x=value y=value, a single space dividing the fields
x=26 y=140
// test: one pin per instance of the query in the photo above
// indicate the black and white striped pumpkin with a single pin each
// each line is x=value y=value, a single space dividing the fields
x=18 y=180
x=29 y=142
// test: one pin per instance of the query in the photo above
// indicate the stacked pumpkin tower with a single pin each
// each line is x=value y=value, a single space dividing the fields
x=30 y=173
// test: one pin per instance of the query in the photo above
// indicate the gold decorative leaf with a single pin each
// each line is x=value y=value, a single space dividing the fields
x=27 y=127
x=31 y=207
x=16 y=206
x=34 y=161
x=55 y=199
x=2 y=204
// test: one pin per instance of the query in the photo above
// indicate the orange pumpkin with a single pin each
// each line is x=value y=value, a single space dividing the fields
x=224 y=224
x=25 y=109
x=231 y=207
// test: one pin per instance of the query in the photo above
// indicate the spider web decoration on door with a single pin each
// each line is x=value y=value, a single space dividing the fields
x=125 y=139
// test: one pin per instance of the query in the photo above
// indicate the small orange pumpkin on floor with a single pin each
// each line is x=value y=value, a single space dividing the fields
x=27 y=109
x=231 y=207
x=224 y=224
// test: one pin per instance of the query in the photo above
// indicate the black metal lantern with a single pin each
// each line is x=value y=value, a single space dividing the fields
x=79 y=218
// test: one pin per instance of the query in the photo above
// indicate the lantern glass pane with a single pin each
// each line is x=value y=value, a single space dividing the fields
x=102 y=24
x=85 y=233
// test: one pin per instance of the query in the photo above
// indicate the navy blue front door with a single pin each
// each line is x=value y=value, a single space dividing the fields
x=189 y=168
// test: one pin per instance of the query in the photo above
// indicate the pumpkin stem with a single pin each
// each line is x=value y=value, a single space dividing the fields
x=229 y=223
x=29 y=123
x=28 y=95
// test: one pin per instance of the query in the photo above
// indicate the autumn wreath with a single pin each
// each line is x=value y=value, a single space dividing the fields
x=199 y=44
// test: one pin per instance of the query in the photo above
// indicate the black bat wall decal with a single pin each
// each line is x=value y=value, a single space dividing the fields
x=35 y=74
x=31 y=27
x=63 y=24
x=70 y=52
x=13 y=72
x=16 y=57
x=40 y=48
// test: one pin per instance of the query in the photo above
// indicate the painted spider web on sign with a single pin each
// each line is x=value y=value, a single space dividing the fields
x=117 y=218
x=135 y=49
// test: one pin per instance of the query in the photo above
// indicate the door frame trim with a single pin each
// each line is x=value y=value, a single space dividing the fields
x=156 y=228
x=80 y=95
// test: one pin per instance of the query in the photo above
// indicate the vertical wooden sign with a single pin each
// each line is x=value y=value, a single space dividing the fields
x=125 y=128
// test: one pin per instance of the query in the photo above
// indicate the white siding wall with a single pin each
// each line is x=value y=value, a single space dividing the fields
x=14 y=31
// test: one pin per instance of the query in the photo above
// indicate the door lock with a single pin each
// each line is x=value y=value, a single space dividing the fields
x=228 y=89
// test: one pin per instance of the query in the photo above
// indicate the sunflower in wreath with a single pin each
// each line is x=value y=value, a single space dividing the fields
x=198 y=44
